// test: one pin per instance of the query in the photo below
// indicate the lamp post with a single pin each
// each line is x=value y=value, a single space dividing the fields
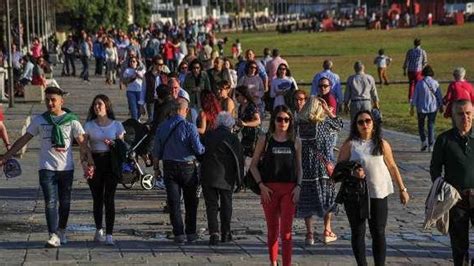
x=27 y=23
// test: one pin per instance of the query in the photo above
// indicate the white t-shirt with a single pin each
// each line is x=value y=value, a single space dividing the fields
x=97 y=134
x=51 y=158
x=279 y=85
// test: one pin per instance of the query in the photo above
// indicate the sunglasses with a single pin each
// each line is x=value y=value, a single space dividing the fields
x=300 y=99
x=280 y=119
x=282 y=69
x=324 y=85
x=362 y=122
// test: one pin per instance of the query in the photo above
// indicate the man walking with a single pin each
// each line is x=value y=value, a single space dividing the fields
x=56 y=127
x=334 y=79
x=177 y=144
x=453 y=154
x=360 y=91
x=153 y=78
x=415 y=61
x=85 y=52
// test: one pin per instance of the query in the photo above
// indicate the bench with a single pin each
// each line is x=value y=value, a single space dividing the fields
x=34 y=93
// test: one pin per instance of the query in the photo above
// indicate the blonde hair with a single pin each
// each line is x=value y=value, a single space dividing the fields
x=313 y=110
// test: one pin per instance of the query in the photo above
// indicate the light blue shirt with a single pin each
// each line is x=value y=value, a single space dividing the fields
x=427 y=96
x=336 y=88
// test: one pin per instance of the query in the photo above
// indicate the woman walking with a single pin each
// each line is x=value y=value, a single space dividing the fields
x=111 y=61
x=428 y=101
x=283 y=87
x=222 y=170
x=316 y=125
x=133 y=78
x=223 y=91
x=254 y=83
x=279 y=180
x=248 y=119
x=366 y=145
x=101 y=131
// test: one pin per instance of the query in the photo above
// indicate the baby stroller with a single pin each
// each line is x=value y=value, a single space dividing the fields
x=138 y=138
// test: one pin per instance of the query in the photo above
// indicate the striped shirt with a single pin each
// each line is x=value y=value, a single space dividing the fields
x=415 y=59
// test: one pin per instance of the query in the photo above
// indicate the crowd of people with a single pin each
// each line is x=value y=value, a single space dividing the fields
x=196 y=102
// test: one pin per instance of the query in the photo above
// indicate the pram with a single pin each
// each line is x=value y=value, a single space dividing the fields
x=138 y=137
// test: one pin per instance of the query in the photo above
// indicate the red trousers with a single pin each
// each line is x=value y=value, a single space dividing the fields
x=413 y=78
x=279 y=214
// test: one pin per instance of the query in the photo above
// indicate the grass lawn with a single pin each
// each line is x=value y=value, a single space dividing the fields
x=447 y=47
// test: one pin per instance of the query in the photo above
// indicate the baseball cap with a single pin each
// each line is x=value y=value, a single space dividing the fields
x=184 y=94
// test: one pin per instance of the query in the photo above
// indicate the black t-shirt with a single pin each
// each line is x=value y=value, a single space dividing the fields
x=279 y=162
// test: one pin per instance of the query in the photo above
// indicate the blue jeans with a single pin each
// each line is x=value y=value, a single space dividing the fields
x=85 y=67
x=56 y=185
x=421 y=127
x=133 y=97
x=181 y=176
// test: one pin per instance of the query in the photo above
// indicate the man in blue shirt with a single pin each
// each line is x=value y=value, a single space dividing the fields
x=177 y=144
x=336 y=88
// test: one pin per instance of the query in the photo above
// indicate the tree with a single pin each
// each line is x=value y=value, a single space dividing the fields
x=142 y=12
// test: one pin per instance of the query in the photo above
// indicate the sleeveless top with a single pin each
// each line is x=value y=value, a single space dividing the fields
x=279 y=162
x=379 y=181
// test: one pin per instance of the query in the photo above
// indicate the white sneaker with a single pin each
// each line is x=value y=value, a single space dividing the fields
x=109 y=241
x=430 y=148
x=62 y=236
x=99 y=235
x=53 y=241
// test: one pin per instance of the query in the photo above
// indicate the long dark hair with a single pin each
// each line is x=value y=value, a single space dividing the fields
x=376 y=133
x=244 y=91
x=291 y=127
x=288 y=72
x=108 y=108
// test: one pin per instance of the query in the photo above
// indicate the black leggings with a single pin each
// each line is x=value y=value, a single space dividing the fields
x=377 y=223
x=103 y=186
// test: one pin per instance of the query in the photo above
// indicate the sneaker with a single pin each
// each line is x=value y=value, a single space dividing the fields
x=309 y=241
x=53 y=241
x=429 y=149
x=214 y=240
x=423 y=146
x=192 y=238
x=62 y=236
x=109 y=240
x=179 y=239
x=99 y=235
x=329 y=236
x=160 y=184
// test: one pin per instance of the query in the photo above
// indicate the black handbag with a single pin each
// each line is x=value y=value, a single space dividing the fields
x=249 y=181
x=249 y=140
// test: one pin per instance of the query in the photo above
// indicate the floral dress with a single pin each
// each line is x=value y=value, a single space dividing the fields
x=318 y=191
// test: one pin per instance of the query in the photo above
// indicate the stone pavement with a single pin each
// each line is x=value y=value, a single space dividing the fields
x=142 y=230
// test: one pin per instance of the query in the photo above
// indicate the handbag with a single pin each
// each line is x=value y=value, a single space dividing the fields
x=249 y=140
x=249 y=181
x=328 y=165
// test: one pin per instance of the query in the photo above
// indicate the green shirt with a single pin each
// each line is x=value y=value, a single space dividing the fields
x=455 y=154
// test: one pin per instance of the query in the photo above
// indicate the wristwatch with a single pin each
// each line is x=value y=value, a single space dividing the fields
x=404 y=189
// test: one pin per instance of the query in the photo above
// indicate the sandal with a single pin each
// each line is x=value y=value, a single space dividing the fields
x=329 y=236
x=309 y=241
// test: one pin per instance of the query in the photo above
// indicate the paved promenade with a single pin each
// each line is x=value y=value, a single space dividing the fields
x=143 y=232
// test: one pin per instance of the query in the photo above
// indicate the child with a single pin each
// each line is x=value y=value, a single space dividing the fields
x=382 y=61
x=235 y=52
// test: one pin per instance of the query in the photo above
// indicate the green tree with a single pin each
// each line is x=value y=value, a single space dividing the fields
x=142 y=12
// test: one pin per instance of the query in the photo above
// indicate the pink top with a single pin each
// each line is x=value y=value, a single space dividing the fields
x=36 y=50
x=457 y=90
x=272 y=67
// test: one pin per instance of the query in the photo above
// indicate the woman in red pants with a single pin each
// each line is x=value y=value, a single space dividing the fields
x=279 y=180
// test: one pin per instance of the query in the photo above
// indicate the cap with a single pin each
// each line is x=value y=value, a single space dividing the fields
x=184 y=94
x=55 y=90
